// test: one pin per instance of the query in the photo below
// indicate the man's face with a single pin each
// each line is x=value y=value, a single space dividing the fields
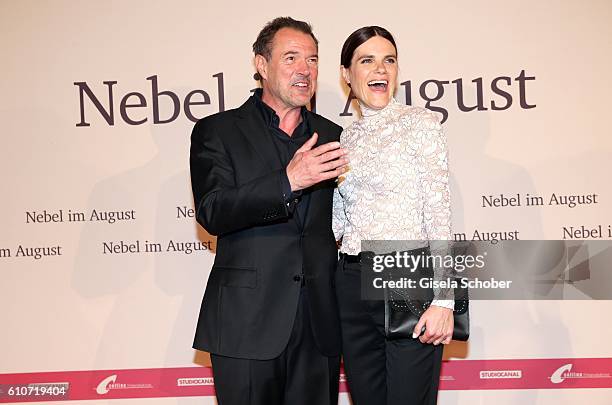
x=290 y=76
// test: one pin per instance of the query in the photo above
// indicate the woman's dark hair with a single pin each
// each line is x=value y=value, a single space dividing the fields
x=359 y=37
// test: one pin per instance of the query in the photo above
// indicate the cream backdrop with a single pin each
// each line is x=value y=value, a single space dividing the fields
x=86 y=310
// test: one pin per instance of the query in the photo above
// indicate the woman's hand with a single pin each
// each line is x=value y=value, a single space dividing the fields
x=438 y=323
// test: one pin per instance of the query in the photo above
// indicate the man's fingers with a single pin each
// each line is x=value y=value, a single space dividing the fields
x=311 y=166
x=312 y=141
x=326 y=147
x=331 y=155
x=331 y=174
x=334 y=164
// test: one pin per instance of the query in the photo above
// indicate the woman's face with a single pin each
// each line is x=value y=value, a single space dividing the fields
x=373 y=72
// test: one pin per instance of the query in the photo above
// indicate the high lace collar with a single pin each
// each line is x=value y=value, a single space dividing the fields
x=368 y=113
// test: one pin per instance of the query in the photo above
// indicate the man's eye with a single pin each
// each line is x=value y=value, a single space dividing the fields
x=313 y=60
x=290 y=58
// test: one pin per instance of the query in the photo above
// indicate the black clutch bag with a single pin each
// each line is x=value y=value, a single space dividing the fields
x=402 y=312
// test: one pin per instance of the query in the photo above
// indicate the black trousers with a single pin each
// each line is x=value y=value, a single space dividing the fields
x=381 y=371
x=301 y=375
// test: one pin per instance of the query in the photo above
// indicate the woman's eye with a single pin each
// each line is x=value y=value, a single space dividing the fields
x=391 y=60
x=366 y=60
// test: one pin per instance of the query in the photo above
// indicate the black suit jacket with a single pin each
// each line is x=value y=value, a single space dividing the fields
x=252 y=293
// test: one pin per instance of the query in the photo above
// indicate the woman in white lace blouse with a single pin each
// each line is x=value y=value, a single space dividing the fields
x=396 y=189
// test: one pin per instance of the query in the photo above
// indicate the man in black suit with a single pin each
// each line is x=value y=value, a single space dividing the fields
x=263 y=177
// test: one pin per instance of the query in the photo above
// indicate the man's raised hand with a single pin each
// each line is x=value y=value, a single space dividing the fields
x=310 y=166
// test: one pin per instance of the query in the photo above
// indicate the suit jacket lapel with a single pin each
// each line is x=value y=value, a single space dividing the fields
x=256 y=132
x=254 y=129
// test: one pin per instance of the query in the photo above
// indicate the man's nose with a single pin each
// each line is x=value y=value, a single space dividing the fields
x=302 y=67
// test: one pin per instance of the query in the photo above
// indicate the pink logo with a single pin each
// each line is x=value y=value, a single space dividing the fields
x=103 y=387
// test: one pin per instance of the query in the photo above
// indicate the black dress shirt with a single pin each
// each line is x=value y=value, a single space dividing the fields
x=286 y=145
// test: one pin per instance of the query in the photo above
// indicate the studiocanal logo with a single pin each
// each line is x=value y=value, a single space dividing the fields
x=192 y=382
x=503 y=374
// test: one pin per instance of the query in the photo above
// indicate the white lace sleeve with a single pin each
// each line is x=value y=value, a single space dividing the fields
x=433 y=170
